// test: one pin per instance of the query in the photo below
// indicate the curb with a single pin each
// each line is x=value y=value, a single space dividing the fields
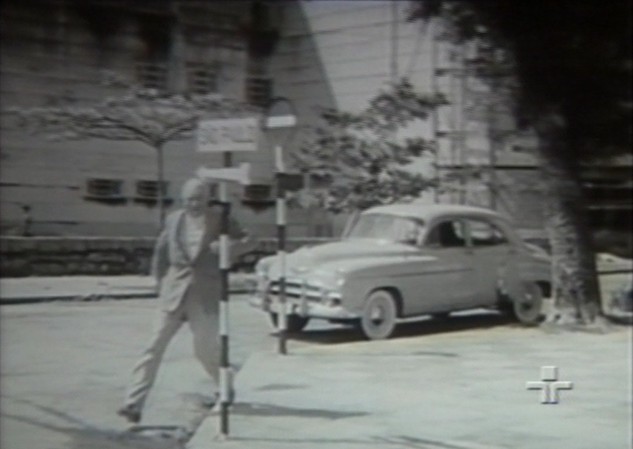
x=92 y=297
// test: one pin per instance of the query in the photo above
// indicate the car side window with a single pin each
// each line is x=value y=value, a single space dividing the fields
x=483 y=233
x=447 y=234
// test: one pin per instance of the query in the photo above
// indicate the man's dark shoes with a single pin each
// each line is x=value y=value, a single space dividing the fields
x=129 y=413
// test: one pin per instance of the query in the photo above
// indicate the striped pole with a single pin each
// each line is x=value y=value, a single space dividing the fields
x=225 y=381
x=282 y=319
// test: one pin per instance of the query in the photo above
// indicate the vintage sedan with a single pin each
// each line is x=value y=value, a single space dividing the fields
x=406 y=260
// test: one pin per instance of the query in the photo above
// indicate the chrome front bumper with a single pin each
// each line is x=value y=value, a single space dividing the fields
x=302 y=307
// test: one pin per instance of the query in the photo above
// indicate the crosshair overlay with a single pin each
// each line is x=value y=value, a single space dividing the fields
x=549 y=385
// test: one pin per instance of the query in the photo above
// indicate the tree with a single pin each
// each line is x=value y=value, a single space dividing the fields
x=142 y=115
x=360 y=157
x=572 y=61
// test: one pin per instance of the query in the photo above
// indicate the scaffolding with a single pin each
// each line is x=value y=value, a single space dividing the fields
x=465 y=174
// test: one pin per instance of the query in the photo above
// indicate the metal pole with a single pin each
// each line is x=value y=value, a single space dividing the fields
x=435 y=114
x=454 y=127
x=282 y=319
x=394 y=42
x=461 y=132
x=225 y=373
x=492 y=138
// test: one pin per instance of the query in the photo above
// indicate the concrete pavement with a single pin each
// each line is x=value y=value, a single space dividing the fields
x=86 y=288
x=453 y=385
x=457 y=385
x=64 y=367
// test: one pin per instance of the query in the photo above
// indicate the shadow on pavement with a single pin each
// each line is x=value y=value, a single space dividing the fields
x=281 y=387
x=393 y=442
x=427 y=326
x=83 y=435
x=262 y=410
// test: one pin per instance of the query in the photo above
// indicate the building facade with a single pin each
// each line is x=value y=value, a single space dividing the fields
x=318 y=54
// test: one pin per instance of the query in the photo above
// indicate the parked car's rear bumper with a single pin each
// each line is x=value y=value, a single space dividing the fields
x=302 y=307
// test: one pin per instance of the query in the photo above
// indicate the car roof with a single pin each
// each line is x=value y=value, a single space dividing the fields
x=428 y=212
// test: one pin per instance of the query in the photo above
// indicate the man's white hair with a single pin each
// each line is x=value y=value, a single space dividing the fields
x=194 y=185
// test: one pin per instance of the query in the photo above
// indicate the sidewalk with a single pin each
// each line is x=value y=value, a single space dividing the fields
x=87 y=288
x=463 y=389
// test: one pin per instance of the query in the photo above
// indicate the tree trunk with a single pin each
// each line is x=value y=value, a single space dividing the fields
x=160 y=192
x=575 y=288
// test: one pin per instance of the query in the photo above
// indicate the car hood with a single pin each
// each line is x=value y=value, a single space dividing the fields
x=343 y=256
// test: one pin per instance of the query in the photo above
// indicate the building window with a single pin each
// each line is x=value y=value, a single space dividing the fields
x=258 y=197
x=202 y=78
x=259 y=90
x=152 y=76
x=104 y=190
x=149 y=189
x=147 y=192
x=213 y=191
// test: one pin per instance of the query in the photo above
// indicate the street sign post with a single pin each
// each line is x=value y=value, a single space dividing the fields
x=281 y=117
x=225 y=136
x=228 y=135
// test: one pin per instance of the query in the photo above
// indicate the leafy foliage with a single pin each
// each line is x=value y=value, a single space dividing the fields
x=361 y=157
x=142 y=115
x=572 y=57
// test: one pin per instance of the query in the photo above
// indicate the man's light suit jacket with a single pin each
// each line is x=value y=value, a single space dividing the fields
x=179 y=273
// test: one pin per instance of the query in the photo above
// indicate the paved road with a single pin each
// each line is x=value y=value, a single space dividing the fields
x=64 y=366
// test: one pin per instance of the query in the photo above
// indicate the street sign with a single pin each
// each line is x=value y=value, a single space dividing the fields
x=231 y=134
x=280 y=121
x=290 y=182
x=239 y=174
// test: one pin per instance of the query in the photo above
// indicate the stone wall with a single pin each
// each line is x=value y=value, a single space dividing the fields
x=58 y=256
x=62 y=256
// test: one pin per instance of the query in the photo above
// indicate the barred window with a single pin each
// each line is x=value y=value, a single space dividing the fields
x=213 y=191
x=149 y=189
x=152 y=76
x=257 y=191
x=258 y=197
x=147 y=192
x=104 y=188
x=202 y=78
x=259 y=90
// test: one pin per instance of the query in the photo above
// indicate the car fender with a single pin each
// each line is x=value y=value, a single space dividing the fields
x=514 y=278
x=357 y=290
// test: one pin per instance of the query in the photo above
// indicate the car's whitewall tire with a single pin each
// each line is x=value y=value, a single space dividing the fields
x=528 y=309
x=378 y=319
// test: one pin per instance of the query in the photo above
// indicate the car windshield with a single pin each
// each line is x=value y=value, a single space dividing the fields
x=387 y=227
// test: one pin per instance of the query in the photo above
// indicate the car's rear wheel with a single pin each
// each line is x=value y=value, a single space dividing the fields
x=378 y=319
x=294 y=323
x=528 y=308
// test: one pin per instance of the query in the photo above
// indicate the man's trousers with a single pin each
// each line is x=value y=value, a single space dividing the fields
x=204 y=326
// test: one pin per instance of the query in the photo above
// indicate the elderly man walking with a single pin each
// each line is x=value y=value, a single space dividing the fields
x=185 y=265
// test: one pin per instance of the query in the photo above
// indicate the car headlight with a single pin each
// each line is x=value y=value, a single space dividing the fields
x=331 y=295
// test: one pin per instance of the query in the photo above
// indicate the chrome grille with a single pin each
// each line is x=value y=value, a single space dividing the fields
x=296 y=289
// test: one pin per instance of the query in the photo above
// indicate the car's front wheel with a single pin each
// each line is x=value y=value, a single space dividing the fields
x=294 y=323
x=528 y=308
x=378 y=319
